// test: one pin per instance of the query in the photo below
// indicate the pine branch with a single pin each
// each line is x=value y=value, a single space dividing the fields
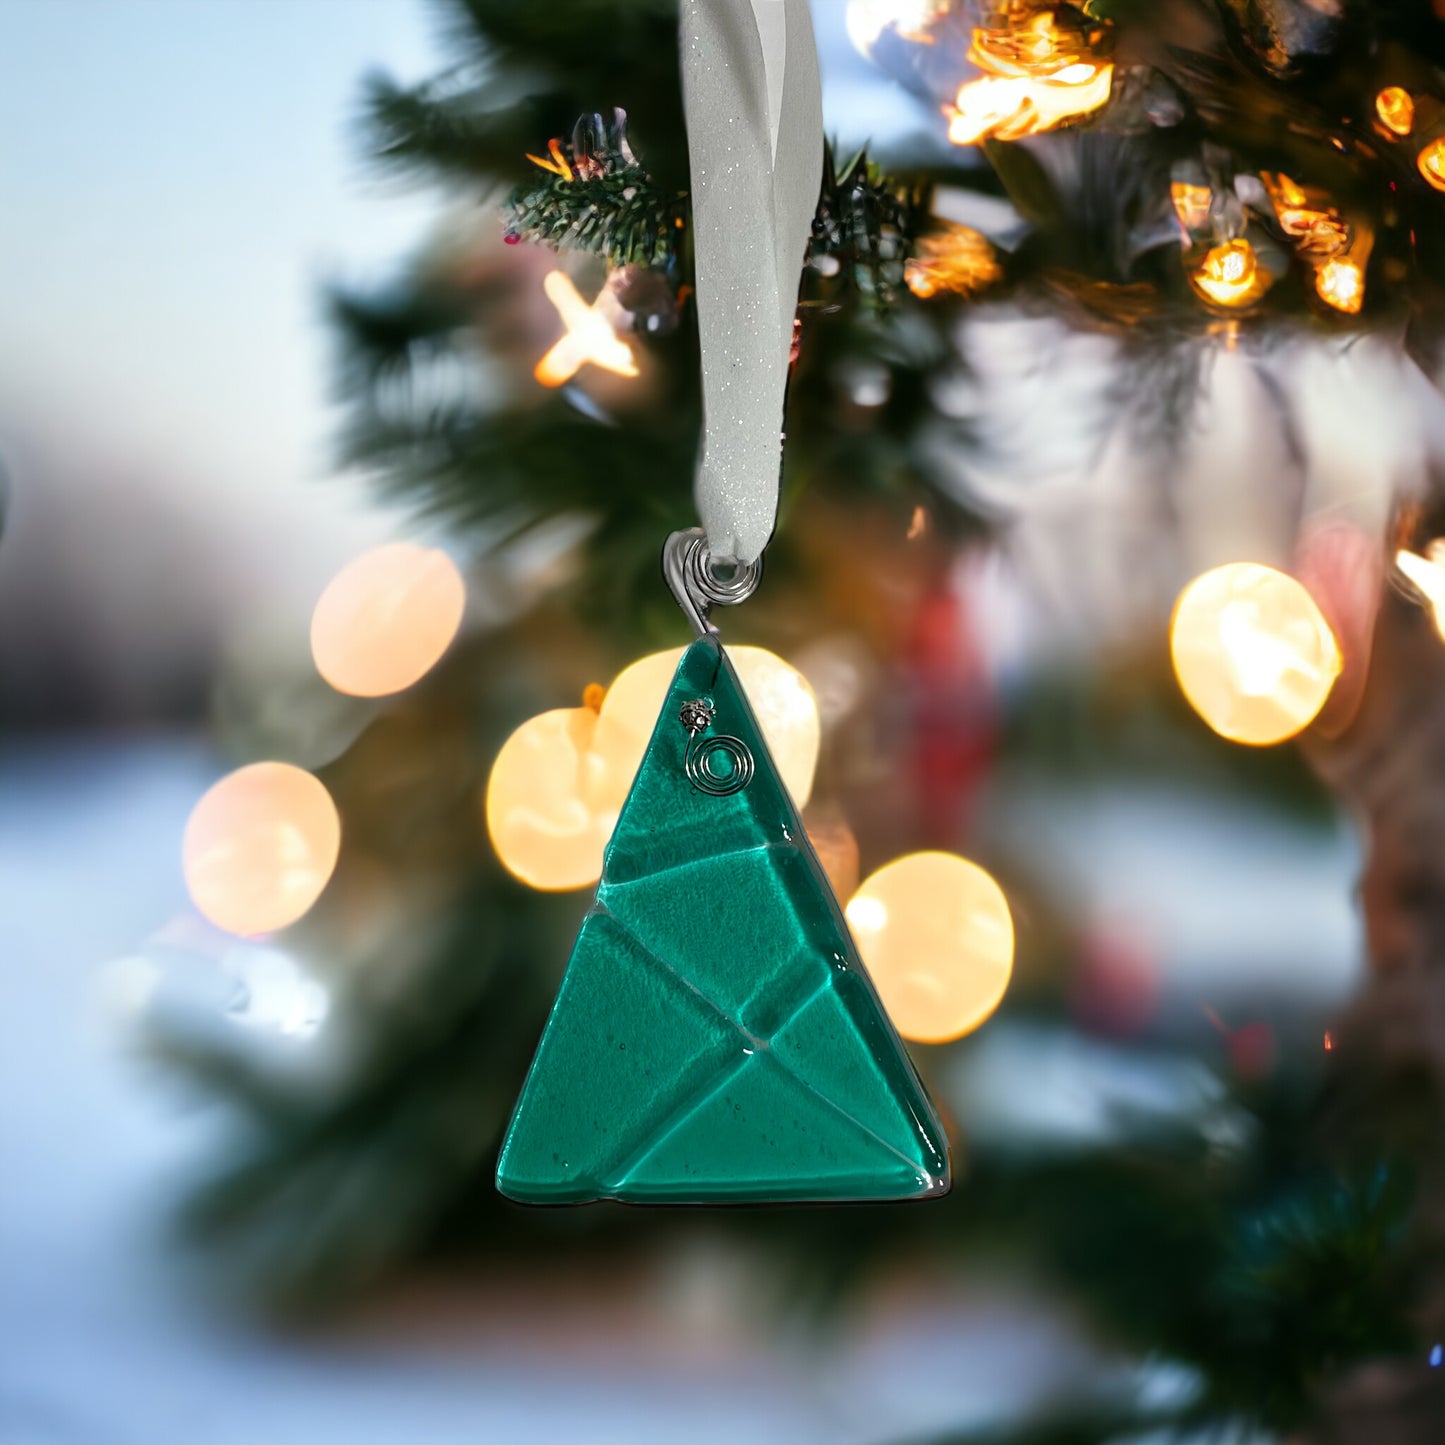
x=593 y=195
x=866 y=224
x=441 y=130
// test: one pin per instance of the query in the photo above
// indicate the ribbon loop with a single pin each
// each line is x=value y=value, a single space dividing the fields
x=752 y=98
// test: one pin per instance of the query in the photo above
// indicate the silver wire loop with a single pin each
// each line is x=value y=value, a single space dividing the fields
x=703 y=762
x=699 y=583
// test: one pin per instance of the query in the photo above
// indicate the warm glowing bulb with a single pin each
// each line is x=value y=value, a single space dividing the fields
x=589 y=338
x=558 y=785
x=1431 y=162
x=1191 y=203
x=1318 y=229
x=1341 y=283
x=1284 y=191
x=958 y=261
x=260 y=847
x=554 y=161
x=935 y=934
x=386 y=618
x=1037 y=75
x=1229 y=273
x=1010 y=107
x=1253 y=652
x=543 y=822
x=1396 y=110
x=1428 y=575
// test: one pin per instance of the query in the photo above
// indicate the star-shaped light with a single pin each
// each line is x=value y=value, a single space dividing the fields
x=1428 y=575
x=589 y=338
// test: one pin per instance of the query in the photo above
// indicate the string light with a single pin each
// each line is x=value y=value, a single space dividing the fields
x=1340 y=283
x=1396 y=109
x=1252 y=652
x=1428 y=575
x=1037 y=76
x=260 y=847
x=936 y=936
x=959 y=262
x=1431 y=163
x=1229 y=274
x=554 y=161
x=386 y=618
x=1191 y=204
x=1322 y=235
x=1317 y=229
x=589 y=339
x=559 y=782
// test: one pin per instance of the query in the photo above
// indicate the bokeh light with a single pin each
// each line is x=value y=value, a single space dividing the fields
x=543 y=815
x=955 y=261
x=1427 y=573
x=937 y=938
x=260 y=847
x=1253 y=652
x=1341 y=283
x=1396 y=109
x=386 y=618
x=1229 y=274
x=836 y=848
x=275 y=993
x=866 y=20
x=1191 y=204
x=590 y=338
x=1037 y=75
x=1431 y=163
x=1316 y=227
x=560 y=780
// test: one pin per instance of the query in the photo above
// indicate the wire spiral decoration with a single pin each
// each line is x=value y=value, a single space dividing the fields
x=705 y=775
x=702 y=760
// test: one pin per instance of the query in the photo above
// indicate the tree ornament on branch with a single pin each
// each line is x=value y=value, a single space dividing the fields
x=594 y=195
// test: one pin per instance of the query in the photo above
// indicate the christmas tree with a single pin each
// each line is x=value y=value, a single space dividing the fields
x=1169 y=177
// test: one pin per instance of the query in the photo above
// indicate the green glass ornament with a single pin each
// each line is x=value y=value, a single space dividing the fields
x=715 y=1037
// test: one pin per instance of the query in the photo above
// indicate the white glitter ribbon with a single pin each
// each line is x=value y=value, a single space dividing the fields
x=754 y=108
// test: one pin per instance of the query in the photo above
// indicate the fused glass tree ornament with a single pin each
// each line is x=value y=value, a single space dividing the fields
x=716 y=1038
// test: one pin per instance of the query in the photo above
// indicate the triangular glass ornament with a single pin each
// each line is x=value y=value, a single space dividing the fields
x=715 y=1037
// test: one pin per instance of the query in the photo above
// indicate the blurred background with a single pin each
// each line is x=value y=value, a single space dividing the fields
x=1105 y=568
